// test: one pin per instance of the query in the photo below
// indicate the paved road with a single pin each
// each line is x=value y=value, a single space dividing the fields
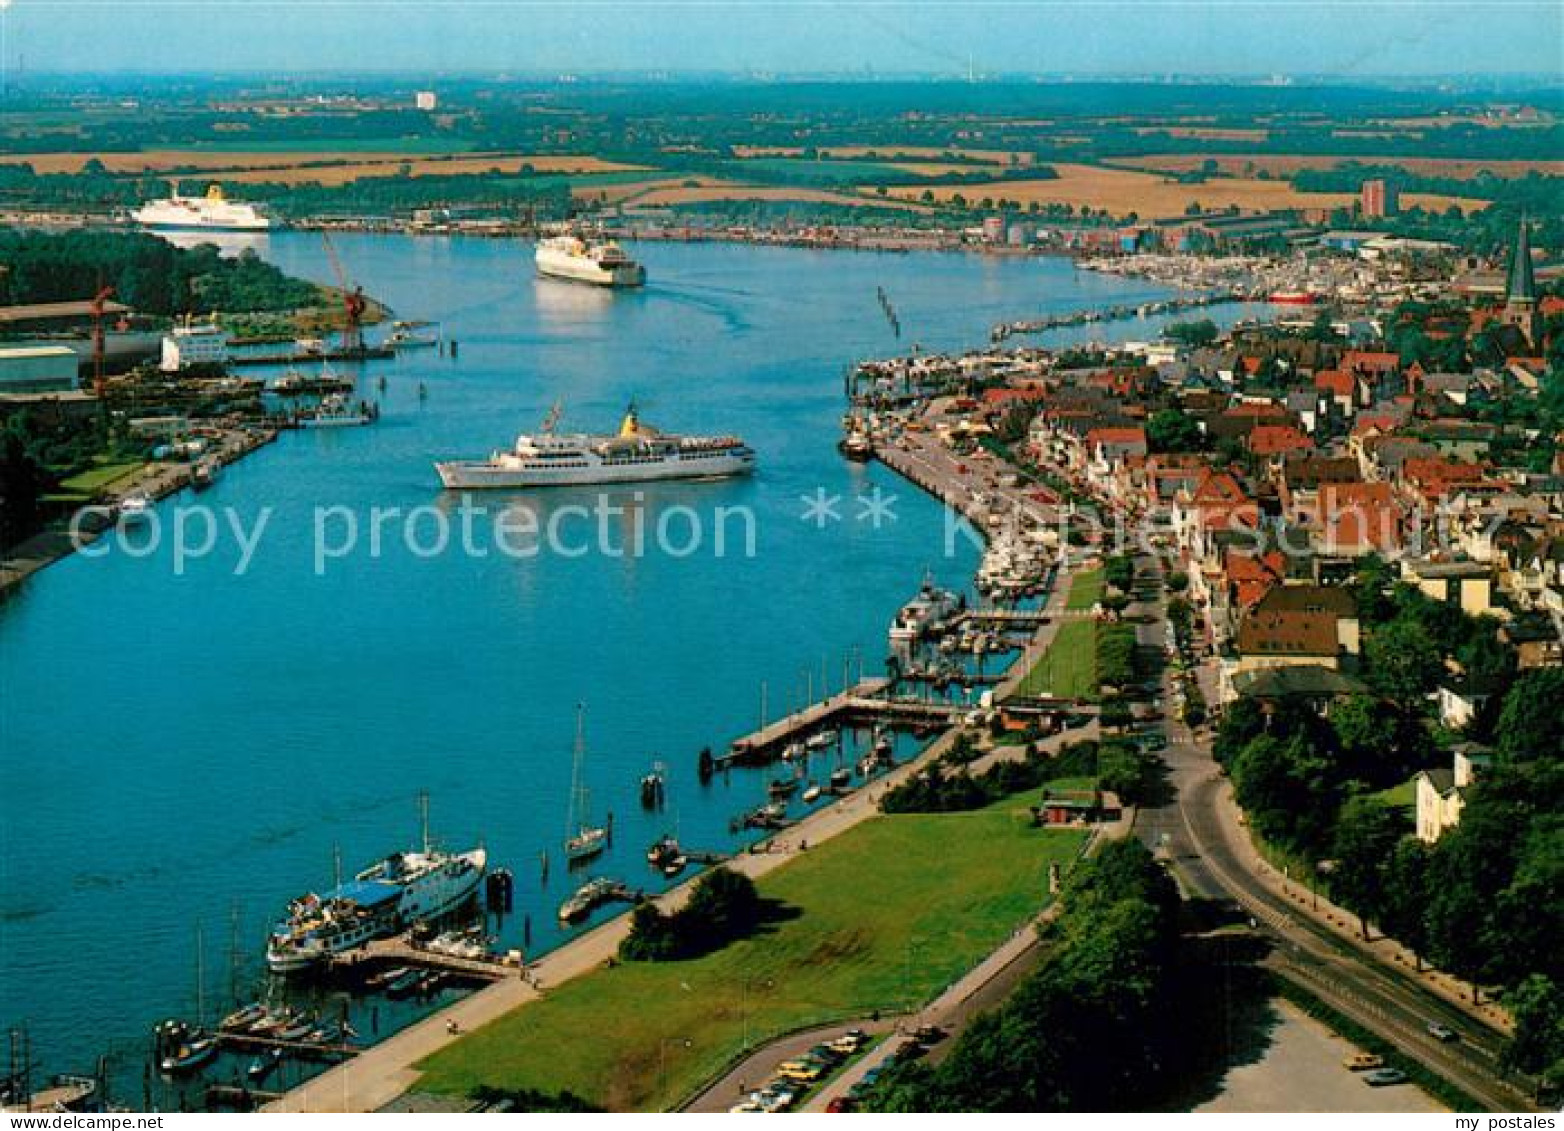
x=1199 y=831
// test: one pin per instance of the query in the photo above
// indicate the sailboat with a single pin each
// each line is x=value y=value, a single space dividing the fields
x=185 y=1049
x=583 y=840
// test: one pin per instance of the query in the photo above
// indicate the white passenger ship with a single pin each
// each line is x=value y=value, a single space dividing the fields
x=635 y=454
x=212 y=212
x=602 y=263
x=390 y=895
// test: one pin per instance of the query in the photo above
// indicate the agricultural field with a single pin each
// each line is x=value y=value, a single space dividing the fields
x=946 y=890
x=304 y=166
x=1148 y=195
x=719 y=191
x=1284 y=165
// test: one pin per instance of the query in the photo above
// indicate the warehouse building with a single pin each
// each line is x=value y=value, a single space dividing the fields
x=37 y=369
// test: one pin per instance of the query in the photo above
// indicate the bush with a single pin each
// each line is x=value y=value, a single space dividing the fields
x=723 y=906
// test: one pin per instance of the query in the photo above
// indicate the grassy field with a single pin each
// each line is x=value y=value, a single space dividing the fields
x=1069 y=668
x=820 y=172
x=1151 y=195
x=100 y=478
x=705 y=193
x=1085 y=590
x=884 y=915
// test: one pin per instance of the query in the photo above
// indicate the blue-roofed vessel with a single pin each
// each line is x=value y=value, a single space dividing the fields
x=389 y=896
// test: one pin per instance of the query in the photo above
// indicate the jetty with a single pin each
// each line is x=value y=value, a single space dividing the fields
x=866 y=702
x=402 y=952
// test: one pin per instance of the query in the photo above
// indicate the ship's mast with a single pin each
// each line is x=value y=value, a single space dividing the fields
x=578 y=792
x=423 y=812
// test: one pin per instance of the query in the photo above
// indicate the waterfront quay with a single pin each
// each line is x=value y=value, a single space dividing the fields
x=384 y=1072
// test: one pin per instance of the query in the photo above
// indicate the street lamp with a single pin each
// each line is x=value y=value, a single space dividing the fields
x=662 y=1060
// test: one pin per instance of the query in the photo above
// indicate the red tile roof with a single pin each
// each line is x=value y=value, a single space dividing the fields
x=1275 y=439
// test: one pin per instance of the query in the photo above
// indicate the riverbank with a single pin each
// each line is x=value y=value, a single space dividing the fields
x=156 y=480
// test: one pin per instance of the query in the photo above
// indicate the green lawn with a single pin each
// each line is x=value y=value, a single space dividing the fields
x=1069 y=668
x=1085 y=590
x=100 y=478
x=885 y=915
x=1403 y=796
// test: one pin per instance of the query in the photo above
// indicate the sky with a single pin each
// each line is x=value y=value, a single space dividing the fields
x=1346 y=38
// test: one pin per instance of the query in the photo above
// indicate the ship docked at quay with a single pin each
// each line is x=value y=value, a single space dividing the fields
x=213 y=212
x=635 y=454
x=391 y=895
x=602 y=263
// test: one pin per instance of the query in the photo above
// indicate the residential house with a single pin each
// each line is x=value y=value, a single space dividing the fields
x=1441 y=793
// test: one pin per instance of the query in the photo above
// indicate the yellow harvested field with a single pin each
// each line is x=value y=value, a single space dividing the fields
x=682 y=194
x=1284 y=164
x=1122 y=191
x=291 y=168
x=622 y=191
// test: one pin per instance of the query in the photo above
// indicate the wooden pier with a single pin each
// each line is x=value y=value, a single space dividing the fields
x=303 y=1050
x=865 y=702
x=401 y=952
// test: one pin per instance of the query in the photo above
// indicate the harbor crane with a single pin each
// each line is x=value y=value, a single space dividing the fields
x=353 y=301
x=96 y=308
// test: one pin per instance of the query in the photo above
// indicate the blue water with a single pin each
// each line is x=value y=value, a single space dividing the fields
x=175 y=749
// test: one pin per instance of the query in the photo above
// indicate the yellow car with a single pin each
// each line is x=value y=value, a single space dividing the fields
x=801 y=1070
x=1363 y=1062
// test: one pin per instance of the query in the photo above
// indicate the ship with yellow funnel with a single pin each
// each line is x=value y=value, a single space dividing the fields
x=212 y=212
x=636 y=453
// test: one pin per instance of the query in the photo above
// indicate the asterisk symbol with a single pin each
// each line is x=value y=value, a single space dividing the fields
x=875 y=508
x=820 y=508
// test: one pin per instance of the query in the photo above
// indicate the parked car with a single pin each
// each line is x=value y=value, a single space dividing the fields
x=928 y=1034
x=1442 y=1033
x=805 y=1071
x=1384 y=1077
x=1363 y=1062
x=839 y=1104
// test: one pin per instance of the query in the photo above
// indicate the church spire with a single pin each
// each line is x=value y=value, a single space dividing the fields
x=1521 y=284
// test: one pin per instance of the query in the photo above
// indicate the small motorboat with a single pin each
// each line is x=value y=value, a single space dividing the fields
x=241 y=1020
x=383 y=979
x=675 y=866
x=812 y=793
x=782 y=787
x=794 y=752
x=134 y=510
x=821 y=740
x=841 y=778
x=274 y=1021
x=406 y=985
x=264 y=1065
x=191 y=1056
x=664 y=850
x=204 y=473
x=297 y=1031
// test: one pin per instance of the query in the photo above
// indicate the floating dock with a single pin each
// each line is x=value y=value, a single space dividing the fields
x=865 y=702
x=401 y=952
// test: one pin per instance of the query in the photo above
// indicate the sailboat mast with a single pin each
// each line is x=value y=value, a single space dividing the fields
x=200 y=977
x=423 y=813
x=577 y=813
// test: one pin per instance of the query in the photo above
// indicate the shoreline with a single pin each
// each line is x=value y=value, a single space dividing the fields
x=384 y=1072
x=157 y=480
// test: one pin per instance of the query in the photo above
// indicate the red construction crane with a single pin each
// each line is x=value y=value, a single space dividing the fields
x=353 y=302
x=96 y=308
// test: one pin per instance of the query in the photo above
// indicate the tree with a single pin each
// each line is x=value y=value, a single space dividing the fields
x=652 y=936
x=724 y=905
x=1403 y=663
x=1366 y=838
x=1402 y=915
x=22 y=483
x=1285 y=786
x=1169 y=430
x=1531 y=723
x=1537 y=1044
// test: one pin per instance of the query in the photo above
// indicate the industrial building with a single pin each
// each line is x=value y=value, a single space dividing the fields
x=188 y=345
x=37 y=369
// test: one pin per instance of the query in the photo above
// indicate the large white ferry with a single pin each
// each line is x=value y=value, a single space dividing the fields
x=388 y=896
x=602 y=263
x=212 y=212
x=636 y=453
